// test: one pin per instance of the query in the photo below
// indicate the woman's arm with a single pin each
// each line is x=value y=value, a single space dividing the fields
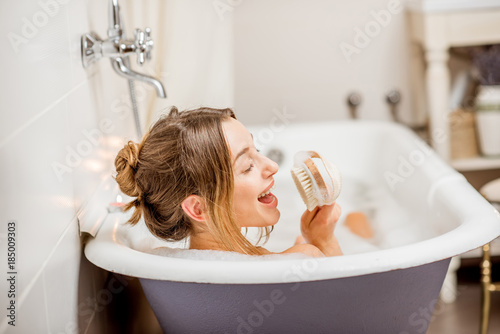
x=306 y=249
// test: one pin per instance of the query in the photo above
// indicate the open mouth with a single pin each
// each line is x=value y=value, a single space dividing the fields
x=267 y=197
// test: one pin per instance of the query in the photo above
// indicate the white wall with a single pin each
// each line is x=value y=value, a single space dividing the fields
x=288 y=55
x=195 y=52
x=285 y=54
x=59 y=129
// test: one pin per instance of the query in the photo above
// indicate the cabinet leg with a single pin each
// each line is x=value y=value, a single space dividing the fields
x=438 y=88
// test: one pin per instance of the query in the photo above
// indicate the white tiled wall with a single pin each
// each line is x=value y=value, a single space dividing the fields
x=54 y=153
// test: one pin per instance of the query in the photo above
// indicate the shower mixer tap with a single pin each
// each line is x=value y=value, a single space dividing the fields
x=95 y=48
x=118 y=49
x=393 y=98
x=353 y=101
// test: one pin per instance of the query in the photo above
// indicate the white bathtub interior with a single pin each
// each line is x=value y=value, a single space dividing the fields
x=429 y=214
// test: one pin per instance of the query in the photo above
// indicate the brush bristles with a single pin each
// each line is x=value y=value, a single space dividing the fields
x=305 y=187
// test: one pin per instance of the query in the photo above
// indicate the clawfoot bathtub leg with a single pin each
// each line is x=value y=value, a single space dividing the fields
x=449 y=290
x=486 y=288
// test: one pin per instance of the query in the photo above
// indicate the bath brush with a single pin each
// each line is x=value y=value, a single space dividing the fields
x=317 y=184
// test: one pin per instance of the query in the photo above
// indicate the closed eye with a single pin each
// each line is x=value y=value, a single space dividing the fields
x=249 y=168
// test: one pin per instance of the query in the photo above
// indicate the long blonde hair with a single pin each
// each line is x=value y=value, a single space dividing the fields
x=184 y=153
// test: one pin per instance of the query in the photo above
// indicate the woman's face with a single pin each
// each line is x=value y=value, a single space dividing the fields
x=254 y=204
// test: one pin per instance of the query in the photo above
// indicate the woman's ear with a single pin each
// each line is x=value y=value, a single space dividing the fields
x=194 y=207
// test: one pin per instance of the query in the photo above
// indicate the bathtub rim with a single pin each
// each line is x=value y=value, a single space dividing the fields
x=118 y=256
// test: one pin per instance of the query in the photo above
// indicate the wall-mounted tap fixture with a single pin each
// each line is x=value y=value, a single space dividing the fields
x=94 y=48
x=118 y=49
x=393 y=98
x=353 y=101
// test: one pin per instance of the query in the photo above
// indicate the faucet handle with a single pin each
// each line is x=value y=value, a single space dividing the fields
x=149 y=42
x=143 y=45
x=393 y=98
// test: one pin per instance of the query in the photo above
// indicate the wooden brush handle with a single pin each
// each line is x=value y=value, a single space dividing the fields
x=317 y=175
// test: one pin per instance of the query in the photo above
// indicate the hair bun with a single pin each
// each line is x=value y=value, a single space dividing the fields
x=174 y=112
x=126 y=165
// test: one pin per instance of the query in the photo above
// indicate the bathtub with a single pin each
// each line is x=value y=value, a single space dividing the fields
x=423 y=213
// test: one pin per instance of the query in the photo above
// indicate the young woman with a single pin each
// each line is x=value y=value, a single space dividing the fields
x=197 y=174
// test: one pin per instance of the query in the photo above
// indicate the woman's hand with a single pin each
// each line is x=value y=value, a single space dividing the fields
x=317 y=228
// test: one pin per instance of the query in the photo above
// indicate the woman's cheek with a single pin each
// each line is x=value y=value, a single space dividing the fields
x=241 y=188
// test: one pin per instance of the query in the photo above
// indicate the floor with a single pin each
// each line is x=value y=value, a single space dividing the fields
x=462 y=316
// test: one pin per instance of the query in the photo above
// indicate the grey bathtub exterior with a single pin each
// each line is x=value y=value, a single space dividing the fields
x=399 y=301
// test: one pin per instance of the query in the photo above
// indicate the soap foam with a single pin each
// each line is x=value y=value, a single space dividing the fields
x=210 y=255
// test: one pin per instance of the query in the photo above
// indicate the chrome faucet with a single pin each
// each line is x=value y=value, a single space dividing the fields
x=118 y=49
x=393 y=97
x=353 y=101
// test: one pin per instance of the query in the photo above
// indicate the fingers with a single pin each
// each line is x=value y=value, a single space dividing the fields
x=309 y=215
x=321 y=213
x=337 y=210
x=317 y=226
x=326 y=210
x=328 y=214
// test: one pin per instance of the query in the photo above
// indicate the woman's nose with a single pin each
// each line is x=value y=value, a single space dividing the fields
x=270 y=167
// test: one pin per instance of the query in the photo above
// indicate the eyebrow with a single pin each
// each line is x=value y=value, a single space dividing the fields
x=243 y=151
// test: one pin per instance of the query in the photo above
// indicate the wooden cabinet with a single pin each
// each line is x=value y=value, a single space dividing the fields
x=434 y=29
